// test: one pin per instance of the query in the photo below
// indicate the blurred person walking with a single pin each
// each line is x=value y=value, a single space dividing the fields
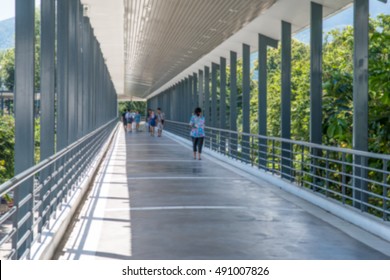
x=197 y=124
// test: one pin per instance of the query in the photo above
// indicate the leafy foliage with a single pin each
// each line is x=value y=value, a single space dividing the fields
x=337 y=78
x=7 y=60
x=7 y=69
x=139 y=106
x=7 y=142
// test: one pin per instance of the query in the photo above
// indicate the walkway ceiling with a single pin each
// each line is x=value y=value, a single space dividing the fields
x=151 y=44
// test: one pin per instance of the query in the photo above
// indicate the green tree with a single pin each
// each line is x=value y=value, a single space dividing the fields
x=139 y=106
x=7 y=142
x=7 y=69
x=7 y=60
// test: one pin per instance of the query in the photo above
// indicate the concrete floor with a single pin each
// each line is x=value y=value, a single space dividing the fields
x=151 y=200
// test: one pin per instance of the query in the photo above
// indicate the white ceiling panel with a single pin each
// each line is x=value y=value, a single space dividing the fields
x=151 y=44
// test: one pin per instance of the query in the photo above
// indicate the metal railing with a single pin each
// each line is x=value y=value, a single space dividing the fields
x=355 y=178
x=55 y=179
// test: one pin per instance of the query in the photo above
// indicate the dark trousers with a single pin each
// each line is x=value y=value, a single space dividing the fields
x=197 y=142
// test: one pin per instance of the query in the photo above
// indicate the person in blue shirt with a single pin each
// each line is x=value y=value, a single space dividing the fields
x=160 y=121
x=152 y=122
x=137 y=119
x=197 y=124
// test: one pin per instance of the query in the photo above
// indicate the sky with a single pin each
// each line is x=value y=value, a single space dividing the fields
x=340 y=20
x=344 y=18
x=7 y=8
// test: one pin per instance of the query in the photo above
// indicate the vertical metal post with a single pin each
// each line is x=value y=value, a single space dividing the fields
x=316 y=74
x=72 y=73
x=222 y=103
x=62 y=74
x=246 y=102
x=316 y=84
x=183 y=118
x=93 y=82
x=233 y=103
x=262 y=101
x=264 y=42
x=207 y=95
x=47 y=144
x=2 y=101
x=195 y=91
x=179 y=108
x=169 y=114
x=190 y=95
x=360 y=98
x=80 y=73
x=187 y=100
x=214 y=118
x=181 y=101
x=172 y=105
x=24 y=117
x=286 y=100
x=86 y=50
x=201 y=90
x=175 y=102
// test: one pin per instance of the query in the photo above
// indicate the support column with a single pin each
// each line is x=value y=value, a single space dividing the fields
x=24 y=119
x=207 y=95
x=190 y=96
x=2 y=103
x=316 y=74
x=47 y=143
x=195 y=91
x=187 y=99
x=179 y=101
x=222 y=103
x=263 y=42
x=286 y=100
x=86 y=73
x=201 y=91
x=80 y=76
x=245 y=143
x=214 y=118
x=360 y=97
x=182 y=98
x=62 y=74
x=316 y=85
x=72 y=73
x=233 y=104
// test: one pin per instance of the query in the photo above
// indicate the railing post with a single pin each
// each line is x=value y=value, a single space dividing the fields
x=201 y=91
x=47 y=95
x=263 y=42
x=360 y=99
x=245 y=101
x=286 y=100
x=233 y=104
x=214 y=117
x=24 y=118
x=195 y=98
x=316 y=84
x=222 y=104
x=385 y=188
x=207 y=96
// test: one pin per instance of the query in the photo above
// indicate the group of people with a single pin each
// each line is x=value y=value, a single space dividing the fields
x=129 y=118
x=153 y=120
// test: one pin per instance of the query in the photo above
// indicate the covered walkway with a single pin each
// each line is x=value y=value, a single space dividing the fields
x=151 y=200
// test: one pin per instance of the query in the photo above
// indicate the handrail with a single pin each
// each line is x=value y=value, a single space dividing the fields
x=25 y=175
x=297 y=142
x=342 y=174
x=36 y=210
